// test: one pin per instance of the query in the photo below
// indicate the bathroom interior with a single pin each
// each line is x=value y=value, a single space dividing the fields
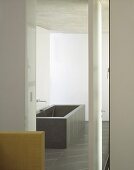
x=62 y=65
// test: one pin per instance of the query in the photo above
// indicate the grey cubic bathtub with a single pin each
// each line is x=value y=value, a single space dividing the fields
x=63 y=124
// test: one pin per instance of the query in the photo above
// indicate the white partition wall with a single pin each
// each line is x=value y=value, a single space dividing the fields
x=61 y=68
x=121 y=85
x=16 y=35
x=69 y=69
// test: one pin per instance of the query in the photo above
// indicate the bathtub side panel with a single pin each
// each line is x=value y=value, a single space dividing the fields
x=75 y=125
x=55 y=130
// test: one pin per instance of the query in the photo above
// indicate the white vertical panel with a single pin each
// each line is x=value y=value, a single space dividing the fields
x=95 y=125
x=30 y=67
x=105 y=76
x=99 y=85
x=42 y=67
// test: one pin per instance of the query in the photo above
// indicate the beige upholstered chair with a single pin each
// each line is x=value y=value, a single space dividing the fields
x=22 y=151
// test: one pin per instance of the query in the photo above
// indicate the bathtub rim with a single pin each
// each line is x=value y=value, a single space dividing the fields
x=65 y=117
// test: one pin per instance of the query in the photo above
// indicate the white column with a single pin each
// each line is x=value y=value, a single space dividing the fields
x=95 y=103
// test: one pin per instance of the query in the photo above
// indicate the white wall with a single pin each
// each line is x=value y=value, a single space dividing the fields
x=121 y=84
x=69 y=69
x=42 y=66
x=105 y=76
x=13 y=51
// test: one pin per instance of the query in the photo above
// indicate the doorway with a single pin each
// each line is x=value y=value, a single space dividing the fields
x=45 y=101
x=62 y=78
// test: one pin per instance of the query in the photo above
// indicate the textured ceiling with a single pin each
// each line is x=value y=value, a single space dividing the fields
x=68 y=16
x=63 y=15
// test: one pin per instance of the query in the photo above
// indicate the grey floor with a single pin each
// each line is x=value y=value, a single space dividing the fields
x=105 y=142
x=75 y=157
